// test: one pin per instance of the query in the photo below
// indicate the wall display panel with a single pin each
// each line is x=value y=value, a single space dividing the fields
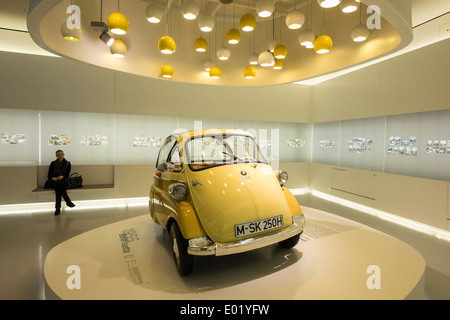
x=362 y=143
x=85 y=138
x=19 y=137
x=138 y=137
x=325 y=143
x=295 y=142
x=418 y=145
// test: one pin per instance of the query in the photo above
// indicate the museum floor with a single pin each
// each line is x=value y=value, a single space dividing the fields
x=27 y=238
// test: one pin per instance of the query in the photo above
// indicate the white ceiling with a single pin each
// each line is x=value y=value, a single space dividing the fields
x=428 y=16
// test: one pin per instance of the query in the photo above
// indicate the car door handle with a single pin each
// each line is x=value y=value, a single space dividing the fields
x=194 y=183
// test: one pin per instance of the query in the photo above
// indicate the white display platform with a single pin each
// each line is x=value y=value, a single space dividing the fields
x=132 y=259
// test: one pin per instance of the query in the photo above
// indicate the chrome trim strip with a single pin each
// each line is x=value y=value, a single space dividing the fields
x=165 y=179
x=221 y=249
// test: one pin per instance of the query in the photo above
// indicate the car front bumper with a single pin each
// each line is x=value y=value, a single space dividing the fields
x=204 y=247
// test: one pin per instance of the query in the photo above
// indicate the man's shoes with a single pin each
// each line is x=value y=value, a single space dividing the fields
x=57 y=211
x=70 y=204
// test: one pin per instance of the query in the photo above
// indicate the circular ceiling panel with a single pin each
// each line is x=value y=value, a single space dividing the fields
x=389 y=23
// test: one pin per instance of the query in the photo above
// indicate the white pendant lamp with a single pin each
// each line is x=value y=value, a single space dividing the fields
x=348 y=6
x=360 y=33
x=272 y=44
x=266 y=59
x=190 y=10
x=328 y=3
x=118 y=48
x=265 y=8
x=295 y=19
x=253 y=59
x=208 y=64
x=205 y=23
x=223 y=53
x=306 y=38
x=70 y=34
x=154 y=13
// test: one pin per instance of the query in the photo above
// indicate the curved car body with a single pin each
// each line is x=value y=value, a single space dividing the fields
x=215 y=193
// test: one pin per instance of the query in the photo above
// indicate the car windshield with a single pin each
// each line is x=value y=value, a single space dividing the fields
x=223 y=149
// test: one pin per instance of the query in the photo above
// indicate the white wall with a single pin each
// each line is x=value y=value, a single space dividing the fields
x=414 y=82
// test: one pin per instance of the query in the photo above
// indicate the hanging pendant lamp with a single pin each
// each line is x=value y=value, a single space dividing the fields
x=323 y=44
x=223 y=53
x=360 y=33
x=70 y=34
x=279 y=63
x=295 y=19
x=118 y=48
x=306 y=38
x=154 y=13
x=328 y=3
x=205 y=23
x=167 y=71
x=266 y=59
x=190 y=10
x=253 y=59
x=249 y=72
x=200 y=45
x=265 y=8
x=118 y=23
x=167 y=45
x=348 y=6
x=215 y=73
x=208 y=64
x=247 y=22
x=280 y=51
x=233 y=36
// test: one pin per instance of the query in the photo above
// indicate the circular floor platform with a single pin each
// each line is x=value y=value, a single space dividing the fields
x=335 y=259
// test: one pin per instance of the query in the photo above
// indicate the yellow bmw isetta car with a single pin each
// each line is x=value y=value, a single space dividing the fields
x=216 y=194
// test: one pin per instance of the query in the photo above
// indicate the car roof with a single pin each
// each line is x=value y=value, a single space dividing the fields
x=193 y=133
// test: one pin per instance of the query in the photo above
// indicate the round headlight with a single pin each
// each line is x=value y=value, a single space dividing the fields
x=282 y=177
x=178 y=191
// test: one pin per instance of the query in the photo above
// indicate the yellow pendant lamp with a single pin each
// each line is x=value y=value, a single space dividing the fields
x=215 y=73
x=167 y=45
x=233 y=36
x=247 y=22
x=200 y=45
x=323 y=44
x=249 y=72
x=279 y=64
x=167 y=71
x=118 y=23
x=280 y=51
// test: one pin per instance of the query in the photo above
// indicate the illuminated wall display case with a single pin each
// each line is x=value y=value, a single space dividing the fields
x=411 y=144
x=30 y=137
x=416 y=144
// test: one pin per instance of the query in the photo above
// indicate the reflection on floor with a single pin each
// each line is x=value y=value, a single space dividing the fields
x=27 y=238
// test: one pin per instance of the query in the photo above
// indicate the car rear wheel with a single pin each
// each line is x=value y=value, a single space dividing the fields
x=183 y=260
x=291 y=242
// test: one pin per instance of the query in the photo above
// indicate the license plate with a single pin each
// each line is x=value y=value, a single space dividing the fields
x=254 y=227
